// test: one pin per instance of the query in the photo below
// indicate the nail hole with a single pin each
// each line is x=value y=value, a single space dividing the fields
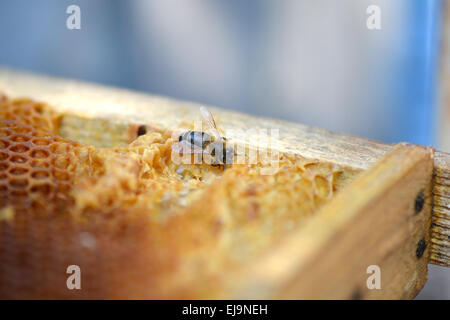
x=356 y=295
x=421 y=247
x=420 y=200
x=142 y=129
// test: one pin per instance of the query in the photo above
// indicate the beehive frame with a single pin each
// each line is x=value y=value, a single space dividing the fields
x=402 y=173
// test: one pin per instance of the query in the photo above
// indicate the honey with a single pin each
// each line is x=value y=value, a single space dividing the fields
x=155 y=229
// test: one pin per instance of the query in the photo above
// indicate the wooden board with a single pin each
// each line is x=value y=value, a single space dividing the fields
x=373 y=221
x=129 y=109
x=440 y=236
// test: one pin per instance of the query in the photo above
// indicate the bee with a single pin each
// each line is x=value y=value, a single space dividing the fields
x=210 y=145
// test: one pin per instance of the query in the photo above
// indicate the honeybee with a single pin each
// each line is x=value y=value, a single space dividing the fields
x=210 y=145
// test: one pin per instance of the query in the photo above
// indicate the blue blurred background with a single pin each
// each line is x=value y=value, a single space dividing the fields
x=309 y=61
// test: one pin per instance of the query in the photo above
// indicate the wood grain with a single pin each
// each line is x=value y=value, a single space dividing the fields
x=124 y=110
x=440 y=236
x=373 y=221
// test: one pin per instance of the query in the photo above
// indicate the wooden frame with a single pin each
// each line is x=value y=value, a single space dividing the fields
x=374 y=221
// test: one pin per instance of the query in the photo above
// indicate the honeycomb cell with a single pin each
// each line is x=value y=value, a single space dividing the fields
x=22 y=129
x=19 y=193
x=41 y=134
x=40 y=174
x=19 y=138
x=19 y=148
x=18 y=171
x=18 y=183
x=61 y=162
x=3 y=156
x=4 y=144
x=59 y=148
x=44 y=188
x=18 y=159
x=41 y=142
x=39 y=153
x=39 y=163
x=4 y=132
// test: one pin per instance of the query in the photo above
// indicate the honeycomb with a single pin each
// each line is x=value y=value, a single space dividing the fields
x=138 y=225
x=28 y=112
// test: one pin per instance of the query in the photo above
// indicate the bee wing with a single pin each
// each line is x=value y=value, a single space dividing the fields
x=208 y=117
x=185 y=147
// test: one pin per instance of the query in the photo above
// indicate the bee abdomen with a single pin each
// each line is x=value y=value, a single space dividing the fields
x=198 y=138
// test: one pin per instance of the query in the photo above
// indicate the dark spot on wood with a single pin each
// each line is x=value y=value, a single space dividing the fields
x=356 y=295
x=421 y=247
x=142 y=129
x=420 y=200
